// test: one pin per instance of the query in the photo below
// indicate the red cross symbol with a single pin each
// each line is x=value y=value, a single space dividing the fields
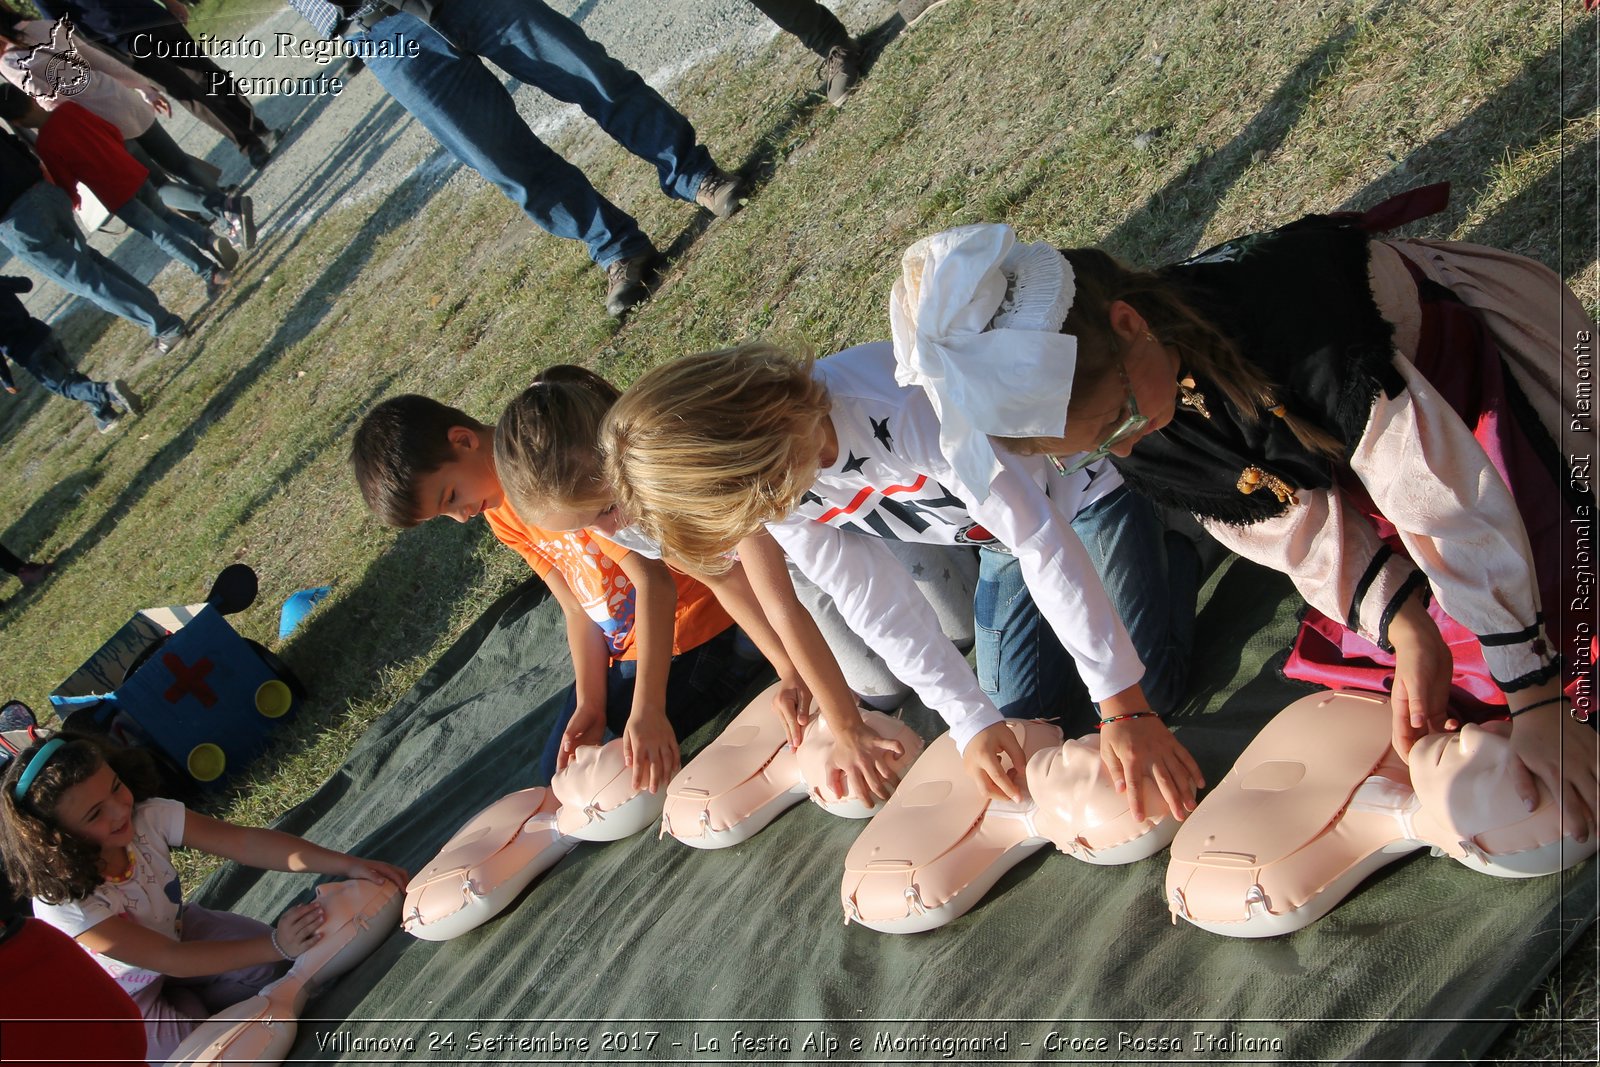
x=189 y=681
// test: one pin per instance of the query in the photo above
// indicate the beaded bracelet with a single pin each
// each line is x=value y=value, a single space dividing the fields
x=1535 y=704
x=285 y=955
x=1103 y=723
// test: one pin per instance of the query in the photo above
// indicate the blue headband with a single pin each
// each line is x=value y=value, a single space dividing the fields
x=35 y=765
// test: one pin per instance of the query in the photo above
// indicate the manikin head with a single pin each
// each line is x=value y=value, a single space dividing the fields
x=1469 y=785
x=599 y=801
x=1079 y=807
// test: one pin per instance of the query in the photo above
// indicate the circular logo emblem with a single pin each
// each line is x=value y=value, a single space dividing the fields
x=65 y=74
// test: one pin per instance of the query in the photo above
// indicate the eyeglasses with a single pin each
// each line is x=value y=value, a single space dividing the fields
x=1129 y=428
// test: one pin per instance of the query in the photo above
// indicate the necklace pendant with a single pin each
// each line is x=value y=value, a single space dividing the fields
x=1192 y=397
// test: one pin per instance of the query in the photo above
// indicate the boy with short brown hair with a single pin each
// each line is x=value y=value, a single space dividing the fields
x=653 y=652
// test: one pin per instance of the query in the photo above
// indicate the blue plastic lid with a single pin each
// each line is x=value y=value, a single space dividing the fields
x=298 y=606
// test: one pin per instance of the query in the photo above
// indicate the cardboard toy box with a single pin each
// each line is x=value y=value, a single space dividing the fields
x=182 y=681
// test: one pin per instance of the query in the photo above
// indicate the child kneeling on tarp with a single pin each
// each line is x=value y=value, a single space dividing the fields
x=653 y=652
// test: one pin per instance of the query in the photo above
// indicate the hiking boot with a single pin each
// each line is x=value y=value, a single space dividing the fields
x=122 y=395
x=218 y=280
x=721 y=194
x=167 y=341
x=224 y=253
x=912 y=10
x=31 y=573
x=840 y=72
x=625 y=282
x=239 y=213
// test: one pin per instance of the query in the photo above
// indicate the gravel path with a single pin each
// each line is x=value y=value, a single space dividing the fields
x=309 y=175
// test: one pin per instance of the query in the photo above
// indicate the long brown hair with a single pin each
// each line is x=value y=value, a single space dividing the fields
x=547 y=443
x=42 y=859
x=1201 y=346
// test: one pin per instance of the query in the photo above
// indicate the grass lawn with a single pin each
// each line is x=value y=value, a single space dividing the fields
x=1150 y=129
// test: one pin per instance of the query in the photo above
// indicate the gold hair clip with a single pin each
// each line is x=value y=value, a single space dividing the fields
x=1253 y=478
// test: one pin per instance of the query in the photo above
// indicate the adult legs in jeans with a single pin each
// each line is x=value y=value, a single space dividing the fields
x=816 y=26
x=464 y=105
x=39 y=230
x=158 y=144
x=173 y=1009
x=547 y=50
x=701 y=684
x=1152 y=578
x=48 y=363
x=183 y=239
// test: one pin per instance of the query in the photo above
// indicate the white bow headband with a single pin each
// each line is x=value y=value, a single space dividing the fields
x=977 y=319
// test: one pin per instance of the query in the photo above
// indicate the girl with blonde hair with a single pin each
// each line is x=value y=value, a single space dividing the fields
x=767 y=452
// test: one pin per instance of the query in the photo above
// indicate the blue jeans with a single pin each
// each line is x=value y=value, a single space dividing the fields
x=1152 y=577
x=700 y=685
x=185 y=240
x=48 y=363
x=463 y=104
x=40 y=231
x=818 y=28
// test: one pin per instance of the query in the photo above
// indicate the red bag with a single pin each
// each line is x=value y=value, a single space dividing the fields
x=59 y=1005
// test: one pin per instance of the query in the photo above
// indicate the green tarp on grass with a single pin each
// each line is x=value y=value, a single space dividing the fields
x=648 y=951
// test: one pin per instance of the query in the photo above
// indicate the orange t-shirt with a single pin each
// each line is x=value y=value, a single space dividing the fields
x=589 y=564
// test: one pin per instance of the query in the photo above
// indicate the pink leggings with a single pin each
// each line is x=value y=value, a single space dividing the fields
x=173 y=1007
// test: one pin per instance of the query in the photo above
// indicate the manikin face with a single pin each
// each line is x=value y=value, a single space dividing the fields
x=98 y=810
x=1076 y=796
x=464 y=486
x=1468 y=779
